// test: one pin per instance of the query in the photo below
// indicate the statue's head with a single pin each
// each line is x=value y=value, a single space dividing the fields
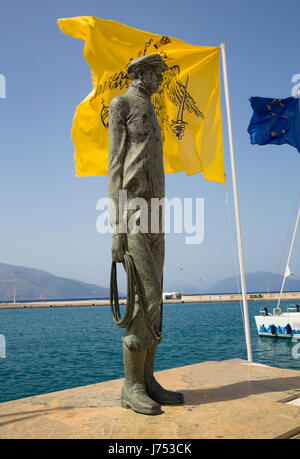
x=148 y=71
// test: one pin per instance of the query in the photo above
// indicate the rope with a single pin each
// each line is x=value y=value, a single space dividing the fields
x=286 y=240
x=132 y=286
x=120 y=322
x=285 y=244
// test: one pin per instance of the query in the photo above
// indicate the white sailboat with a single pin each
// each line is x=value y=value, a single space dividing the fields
x=281 y=324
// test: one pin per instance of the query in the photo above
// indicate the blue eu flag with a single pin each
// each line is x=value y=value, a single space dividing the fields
x=275 y=121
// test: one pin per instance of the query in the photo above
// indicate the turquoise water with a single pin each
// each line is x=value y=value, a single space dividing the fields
x=59 y=348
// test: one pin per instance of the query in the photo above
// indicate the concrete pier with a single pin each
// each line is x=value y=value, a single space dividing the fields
x=223 y=400
x=213 y=298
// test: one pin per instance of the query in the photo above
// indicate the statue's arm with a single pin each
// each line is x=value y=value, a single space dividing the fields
x=117 y=153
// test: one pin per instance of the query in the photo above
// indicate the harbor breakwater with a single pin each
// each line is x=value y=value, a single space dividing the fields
x=207 y=298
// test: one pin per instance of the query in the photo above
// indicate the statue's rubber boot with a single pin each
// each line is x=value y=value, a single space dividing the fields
x=134 y=394
x=154 y=389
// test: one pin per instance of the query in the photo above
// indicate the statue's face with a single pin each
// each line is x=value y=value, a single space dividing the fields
x=152 y=78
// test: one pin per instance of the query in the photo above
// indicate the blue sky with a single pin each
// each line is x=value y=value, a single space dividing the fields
x=48 y=216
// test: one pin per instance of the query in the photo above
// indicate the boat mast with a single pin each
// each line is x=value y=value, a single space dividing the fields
x=287 y=269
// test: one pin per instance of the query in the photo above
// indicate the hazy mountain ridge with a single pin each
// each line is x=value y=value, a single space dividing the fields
x=260 y=281
x=33 y=284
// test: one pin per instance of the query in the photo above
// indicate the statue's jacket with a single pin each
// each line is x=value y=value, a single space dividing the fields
x=135 y=149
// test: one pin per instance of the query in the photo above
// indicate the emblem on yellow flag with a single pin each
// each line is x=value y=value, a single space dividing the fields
x=188 y=104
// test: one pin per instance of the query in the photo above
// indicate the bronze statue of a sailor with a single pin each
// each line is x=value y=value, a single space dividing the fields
x=136 y=171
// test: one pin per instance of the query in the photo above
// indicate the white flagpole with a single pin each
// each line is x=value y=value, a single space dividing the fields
x=236 y=206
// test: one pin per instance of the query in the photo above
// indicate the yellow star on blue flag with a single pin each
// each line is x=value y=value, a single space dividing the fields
x=275 y=121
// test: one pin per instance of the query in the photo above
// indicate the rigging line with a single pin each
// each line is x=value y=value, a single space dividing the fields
x=286 y=241
x=233 y=250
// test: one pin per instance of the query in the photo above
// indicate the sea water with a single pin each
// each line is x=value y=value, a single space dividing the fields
x=51 y=349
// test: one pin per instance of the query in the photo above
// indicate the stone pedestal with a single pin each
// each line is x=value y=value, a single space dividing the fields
x=228 y=399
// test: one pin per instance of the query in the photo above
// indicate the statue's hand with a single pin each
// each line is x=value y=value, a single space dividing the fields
x=119 y=247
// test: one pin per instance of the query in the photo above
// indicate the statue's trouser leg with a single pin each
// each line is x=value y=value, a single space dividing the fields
x=154 y=389
x=149 y=273
x=138 y=337
x=148 y=255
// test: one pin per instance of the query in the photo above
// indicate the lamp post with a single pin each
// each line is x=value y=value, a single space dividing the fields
x=15 y=285
x=200 y=280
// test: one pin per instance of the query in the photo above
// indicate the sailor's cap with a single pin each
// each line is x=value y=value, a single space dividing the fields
x=150 y=59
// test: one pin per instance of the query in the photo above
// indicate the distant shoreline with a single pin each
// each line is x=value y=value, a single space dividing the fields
x=210 y=298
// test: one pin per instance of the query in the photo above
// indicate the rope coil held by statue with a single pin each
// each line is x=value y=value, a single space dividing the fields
x=133 y=287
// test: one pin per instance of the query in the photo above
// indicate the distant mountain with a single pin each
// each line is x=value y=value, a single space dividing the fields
x=34 y=284
x=256 y=282
x=261 y=281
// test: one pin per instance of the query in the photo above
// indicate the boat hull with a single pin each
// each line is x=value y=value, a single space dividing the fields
x=285 y=325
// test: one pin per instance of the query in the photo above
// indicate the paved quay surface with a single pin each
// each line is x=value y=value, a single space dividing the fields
x=227 y=399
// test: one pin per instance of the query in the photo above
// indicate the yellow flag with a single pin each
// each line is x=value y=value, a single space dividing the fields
x=188 y=104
